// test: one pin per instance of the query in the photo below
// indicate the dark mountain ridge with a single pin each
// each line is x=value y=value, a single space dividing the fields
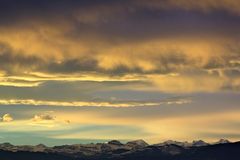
x=134 y=150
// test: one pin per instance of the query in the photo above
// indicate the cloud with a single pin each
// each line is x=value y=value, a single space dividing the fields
x=231 y=6
x=67 y=121
x=137 y=62
x=43 y=117
x=188 y=84
x=129 y=40
x=6 y=118
x=90 y=104
x=45 y=120
x=85 y=11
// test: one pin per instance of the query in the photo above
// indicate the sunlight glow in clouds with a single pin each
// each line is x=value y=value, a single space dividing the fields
x=153 y=69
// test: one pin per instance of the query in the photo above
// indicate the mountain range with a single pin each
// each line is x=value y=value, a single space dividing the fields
x=133 y=150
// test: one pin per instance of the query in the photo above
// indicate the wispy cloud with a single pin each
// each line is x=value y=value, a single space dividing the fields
x=88 y=104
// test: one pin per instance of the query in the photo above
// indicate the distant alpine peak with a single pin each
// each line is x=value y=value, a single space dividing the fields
x=171 y=142
x=195 y=143
x=138 y=142
x=222 y=141
x=108 y=147
x=199 y=143
x=41 y=145
x=115 y=142
x=6 y=145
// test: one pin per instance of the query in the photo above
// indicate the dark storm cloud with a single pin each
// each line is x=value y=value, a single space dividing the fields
x=13 y=11
x=73 y=65
x=11 y=62
x=120 y=18
x=120 y=37
x=147 y=24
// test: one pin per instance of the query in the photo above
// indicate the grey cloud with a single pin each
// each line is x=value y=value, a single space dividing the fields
x=11 y=62
x=73 y=66
x=43 y=117
x=118 y=20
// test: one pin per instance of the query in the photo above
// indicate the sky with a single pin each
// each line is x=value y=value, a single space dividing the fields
x=82 y=71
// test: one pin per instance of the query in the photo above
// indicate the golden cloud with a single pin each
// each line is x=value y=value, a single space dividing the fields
x=132 y=62
x=41 y=51
x=6 y=118
x=87 y=104
x=181 y=83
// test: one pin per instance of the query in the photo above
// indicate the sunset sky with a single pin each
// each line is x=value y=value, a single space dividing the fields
x=81 y=71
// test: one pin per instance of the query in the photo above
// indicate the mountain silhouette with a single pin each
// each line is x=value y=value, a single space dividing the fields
x=134 y=150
